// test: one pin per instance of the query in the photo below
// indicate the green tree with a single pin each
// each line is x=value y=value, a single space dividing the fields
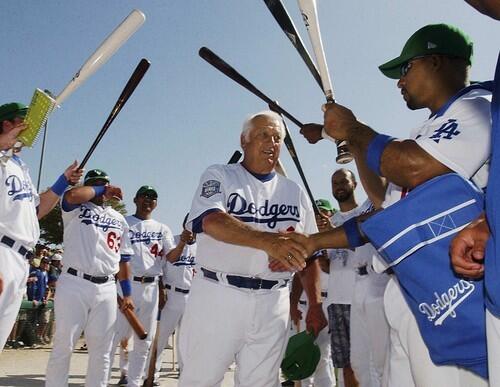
x=51 y=226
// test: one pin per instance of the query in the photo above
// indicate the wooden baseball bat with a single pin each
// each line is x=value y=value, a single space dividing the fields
x=229 y=71
x=133 y=320
x=293 y=154
x=309 y=12
x=105 y=51
x=235 y=157
x=284 y=20
x=131 y=85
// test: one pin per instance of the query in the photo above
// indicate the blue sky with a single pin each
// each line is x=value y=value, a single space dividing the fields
x=185 y=115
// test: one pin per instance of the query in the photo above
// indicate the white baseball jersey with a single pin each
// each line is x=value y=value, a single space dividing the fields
x=343 y=262
x=94 y=238
x=458 y=138
x=150 y=240
x=18 y=202
x=266 y=202
x=180 y=273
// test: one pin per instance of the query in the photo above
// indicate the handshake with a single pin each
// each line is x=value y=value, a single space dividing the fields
x=289 y=251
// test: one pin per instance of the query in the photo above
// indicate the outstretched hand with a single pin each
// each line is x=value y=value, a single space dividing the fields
x=312 y=132
x=112 y=192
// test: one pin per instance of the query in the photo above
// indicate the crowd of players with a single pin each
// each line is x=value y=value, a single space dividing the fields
x=255 y=237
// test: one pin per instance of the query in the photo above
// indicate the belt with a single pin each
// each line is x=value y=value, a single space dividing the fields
x=9 y=242
x=92 y=278
x=145 y=280
x=245 y=282
x=301 y=302
x=185 y=291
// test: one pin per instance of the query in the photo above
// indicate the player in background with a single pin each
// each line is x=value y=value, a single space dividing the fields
x=150 y=239
x=433 y=73
x=96 y=248
x=21 y=207
x=324 y=375
x=178 y=272
x=238 y=309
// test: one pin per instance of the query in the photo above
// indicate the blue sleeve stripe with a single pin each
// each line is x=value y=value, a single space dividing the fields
x=198 y=222
x=353 y=234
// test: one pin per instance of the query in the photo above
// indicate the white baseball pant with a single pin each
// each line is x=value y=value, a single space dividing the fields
x=145 y=298
x=14 y=271
x=409 y=360
x=222 y=324
x=323 y=376
x=369 y=330
x=82 y=305
x=170 y=317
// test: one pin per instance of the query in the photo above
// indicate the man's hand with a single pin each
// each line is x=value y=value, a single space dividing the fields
x=290 y=253
x=315 y=319
x=73 y=174
x=323 y=222
x=127 y=303
x=467 y=249
x=186 y=236
x=295 y=314
x=312 y=132
x=9 y=137
x=338 y=121
x=112 y=192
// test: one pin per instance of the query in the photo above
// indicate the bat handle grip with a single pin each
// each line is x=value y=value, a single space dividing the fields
x=344 y=156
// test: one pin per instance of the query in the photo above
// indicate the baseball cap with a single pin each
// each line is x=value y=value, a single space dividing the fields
x=94 y=175
x=145 y=189
x=56 y=257
x=11 y=110
x=324 y=204
x=301 y=356
x=441 y=38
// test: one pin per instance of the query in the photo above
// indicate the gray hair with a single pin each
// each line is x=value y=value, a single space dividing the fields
x=248 y=125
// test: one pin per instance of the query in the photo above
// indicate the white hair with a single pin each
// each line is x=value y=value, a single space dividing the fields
x=248 y=125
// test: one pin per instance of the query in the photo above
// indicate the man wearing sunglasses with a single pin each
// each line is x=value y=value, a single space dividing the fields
x=433 y=73
x=150 y=240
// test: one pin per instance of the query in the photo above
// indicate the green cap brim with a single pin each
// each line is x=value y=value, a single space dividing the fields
x=392 y=69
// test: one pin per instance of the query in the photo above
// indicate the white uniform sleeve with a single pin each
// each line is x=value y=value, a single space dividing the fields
x=168 y=240
x=460 y=139
x=310 y=226
x=209 y=196
x=125 y=243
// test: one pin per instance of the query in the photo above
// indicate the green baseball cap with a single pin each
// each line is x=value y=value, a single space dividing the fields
x=11 y=110
x=95 y=174
x=301 y=356
x=441 y=39
x=145 y=189
x=324 y=205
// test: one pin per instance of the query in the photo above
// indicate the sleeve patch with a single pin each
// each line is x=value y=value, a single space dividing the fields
x=210 y=188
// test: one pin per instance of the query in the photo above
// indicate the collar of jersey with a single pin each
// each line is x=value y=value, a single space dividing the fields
x=262 y=177
x=481 y=85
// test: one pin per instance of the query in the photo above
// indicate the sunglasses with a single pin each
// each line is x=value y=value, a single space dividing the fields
x=405 y=67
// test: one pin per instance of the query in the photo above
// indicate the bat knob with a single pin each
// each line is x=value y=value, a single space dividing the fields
x=343 y=154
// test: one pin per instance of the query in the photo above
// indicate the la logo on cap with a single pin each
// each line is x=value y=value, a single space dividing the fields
x=431 y=45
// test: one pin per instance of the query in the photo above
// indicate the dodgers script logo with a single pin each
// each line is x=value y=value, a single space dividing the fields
x=185 y=260
x=445 y=303
x=145 y=236
x=103 y=221
x=18 y=189
x=266 y=213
